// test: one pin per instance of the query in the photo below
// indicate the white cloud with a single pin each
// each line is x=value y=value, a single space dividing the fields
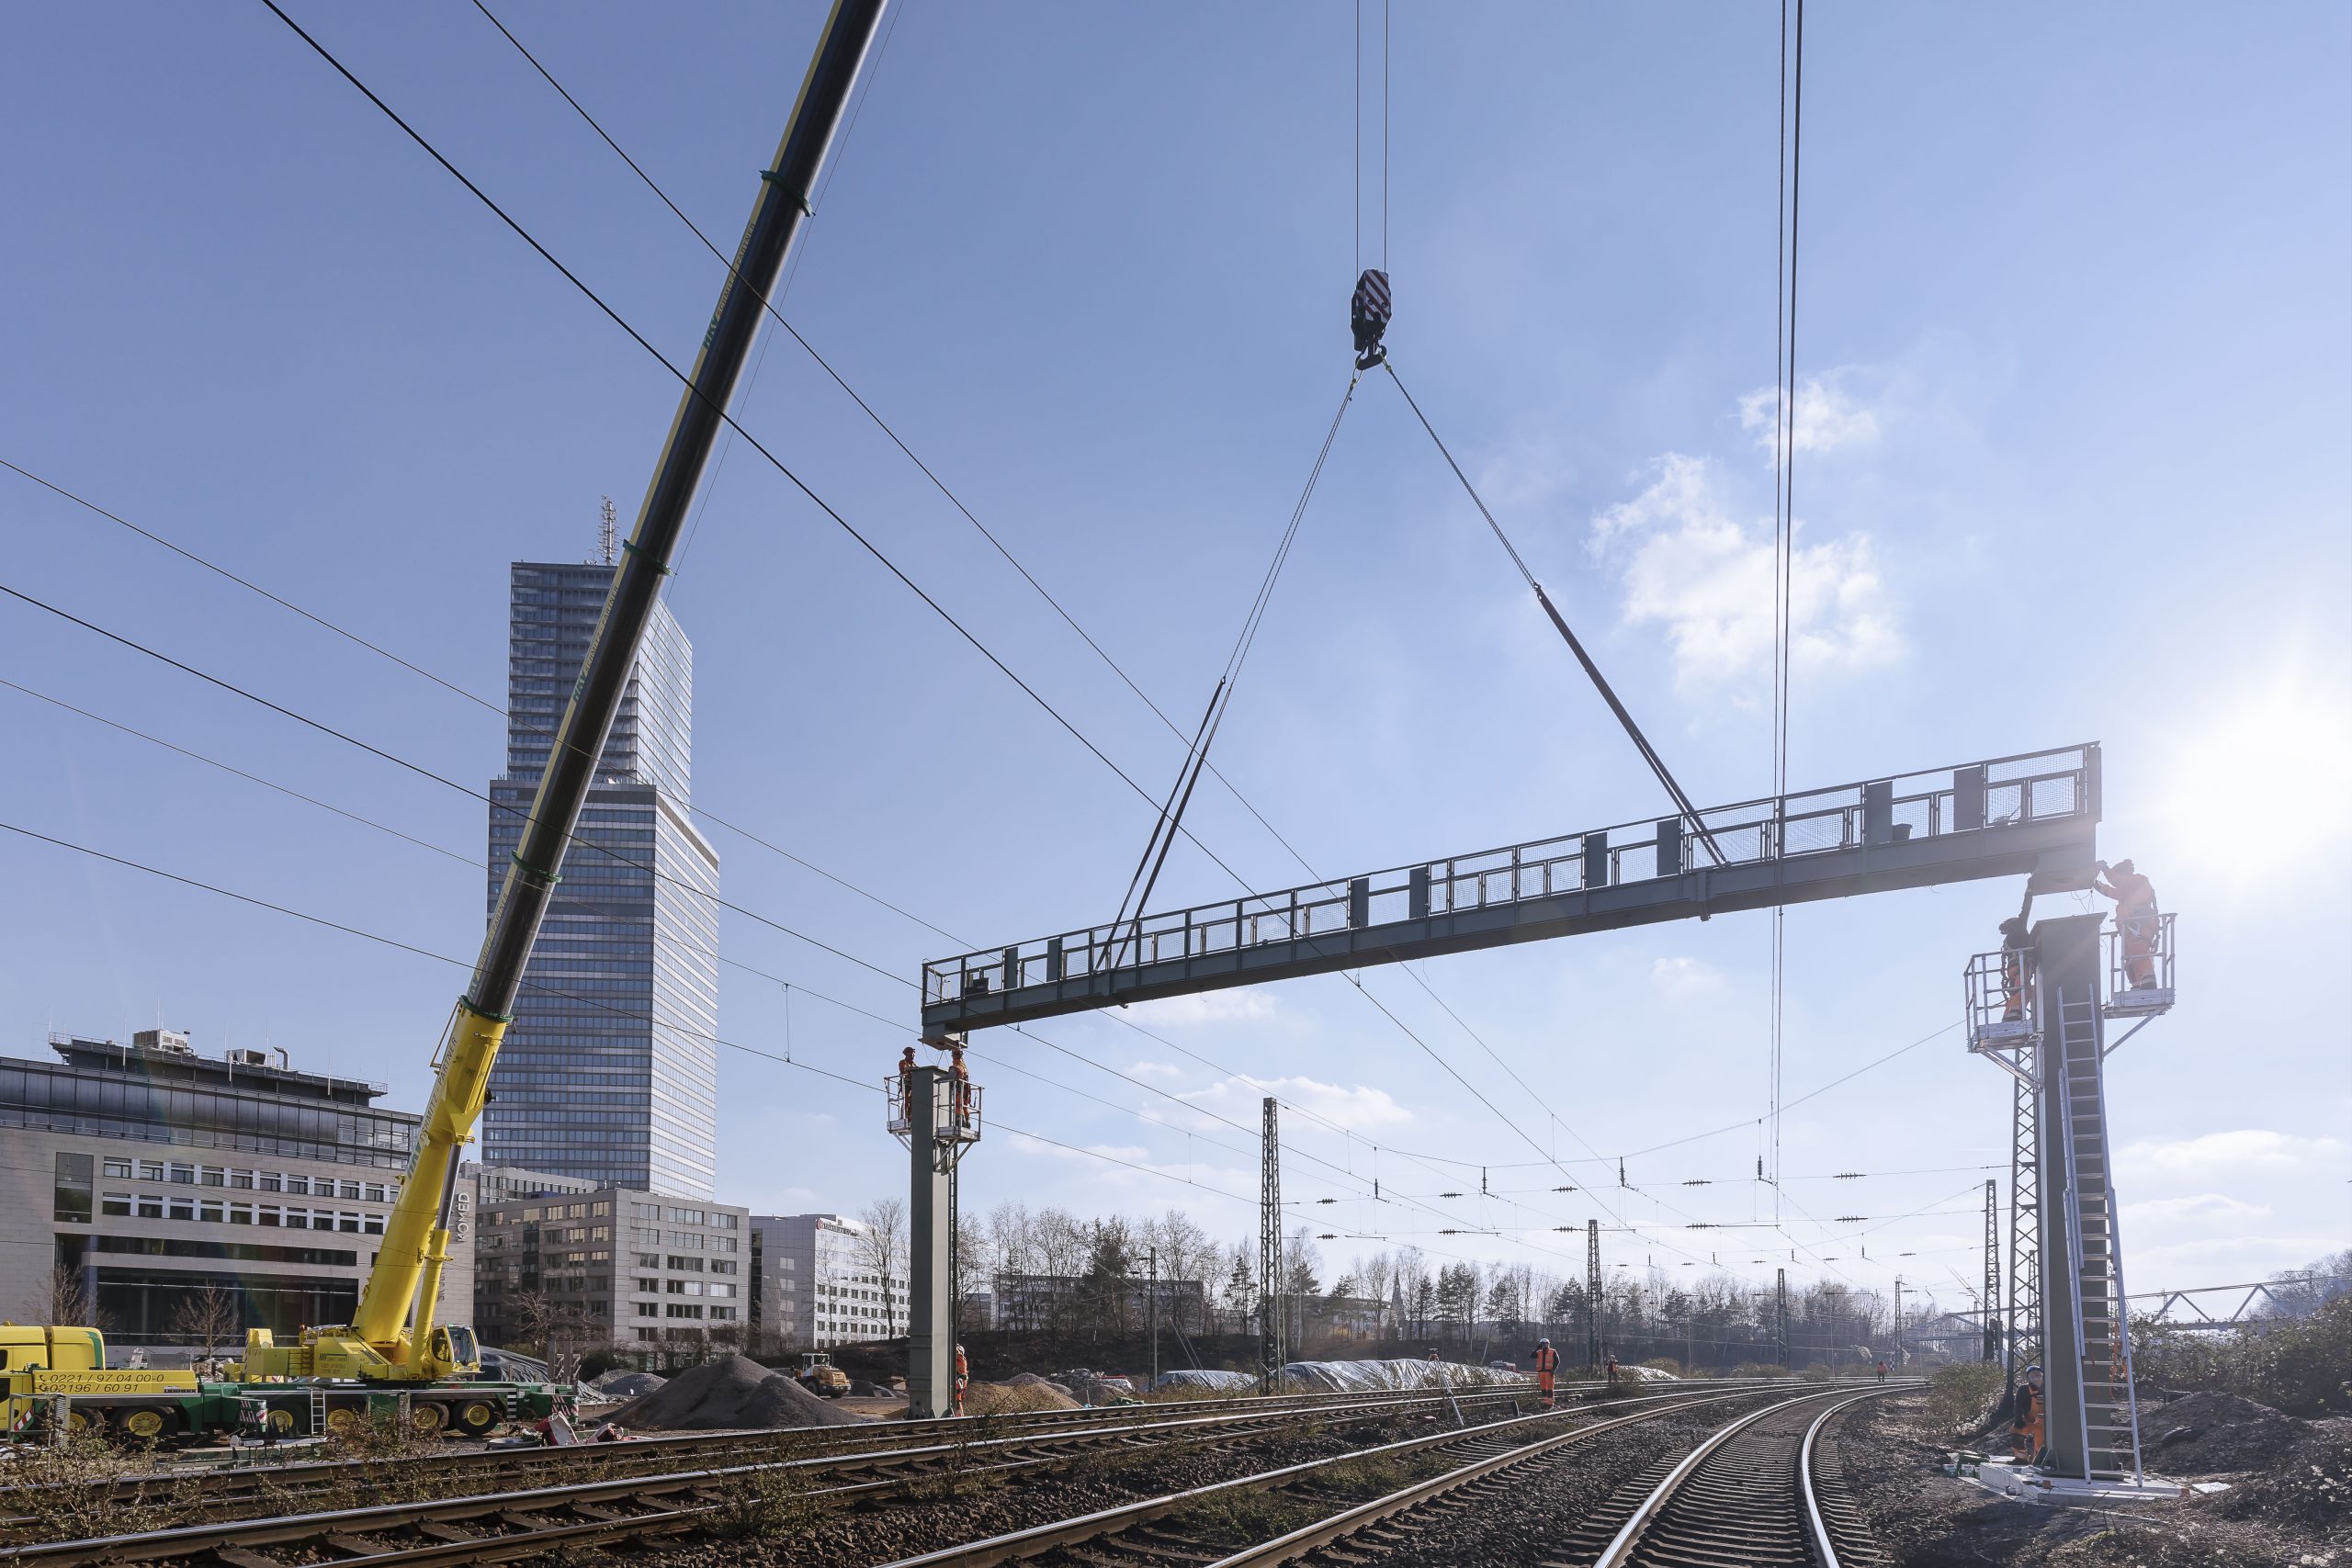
x=1156 y=1070
x=1685 y=976
x=2242 y=1152
x=1247 y=1005
x=2203 y=1210
x=1685 y=562
x=1828 y=417
x=1359 y=1109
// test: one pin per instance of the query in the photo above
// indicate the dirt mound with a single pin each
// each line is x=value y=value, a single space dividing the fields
x=2212 y=1433
x=2308 y=1484
x=1000 y=1398
x=860 y=1389
x=1031 y=1379
x=725 y=1395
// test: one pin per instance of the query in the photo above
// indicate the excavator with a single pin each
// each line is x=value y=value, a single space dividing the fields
x=394 y=1352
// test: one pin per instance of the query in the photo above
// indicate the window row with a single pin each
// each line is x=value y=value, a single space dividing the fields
x=230 y=1211
x=183 y=1174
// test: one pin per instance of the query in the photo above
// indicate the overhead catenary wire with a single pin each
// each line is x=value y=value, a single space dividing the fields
x=769 y=456
x=545 y=990
x=1784 y=432
x=676 y=940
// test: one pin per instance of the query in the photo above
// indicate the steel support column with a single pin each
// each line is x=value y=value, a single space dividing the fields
x=931 y=1227
x=1271 y=1356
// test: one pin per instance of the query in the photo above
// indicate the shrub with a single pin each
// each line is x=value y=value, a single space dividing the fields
x=1961 y=1396
x=2301 y=1366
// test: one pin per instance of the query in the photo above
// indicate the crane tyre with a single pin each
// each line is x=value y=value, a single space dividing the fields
x=475 y=1417
x=145 y=1423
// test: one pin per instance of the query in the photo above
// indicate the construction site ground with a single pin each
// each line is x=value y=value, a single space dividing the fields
x=2287 y=1497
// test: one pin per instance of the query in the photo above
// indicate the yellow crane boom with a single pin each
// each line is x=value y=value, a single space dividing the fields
x=380 y=1341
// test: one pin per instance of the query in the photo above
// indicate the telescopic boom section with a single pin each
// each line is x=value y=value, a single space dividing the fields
x=416 y=1238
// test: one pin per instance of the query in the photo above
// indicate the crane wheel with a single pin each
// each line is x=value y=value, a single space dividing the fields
x=426 y=1417
x=281 y=1420
x=81 y=1422
x=343 y=1419
x=143 y=1423
x=475 y=1417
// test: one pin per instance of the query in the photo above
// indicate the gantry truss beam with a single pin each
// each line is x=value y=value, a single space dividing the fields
x=2035 y=814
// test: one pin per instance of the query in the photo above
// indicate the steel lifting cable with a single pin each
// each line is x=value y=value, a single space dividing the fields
x=1188 y=774
x=1600 y=682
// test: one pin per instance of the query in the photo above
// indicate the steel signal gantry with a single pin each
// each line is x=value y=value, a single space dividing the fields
x=2035 y=814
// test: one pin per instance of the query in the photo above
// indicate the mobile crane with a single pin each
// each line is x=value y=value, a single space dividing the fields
x=393 y=1345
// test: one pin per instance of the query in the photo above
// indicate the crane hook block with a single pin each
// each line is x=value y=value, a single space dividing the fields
x=1368 y=314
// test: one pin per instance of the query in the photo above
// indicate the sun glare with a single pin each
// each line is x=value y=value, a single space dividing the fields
x=2259 y=785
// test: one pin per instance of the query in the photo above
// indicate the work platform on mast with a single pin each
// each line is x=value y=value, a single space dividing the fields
x=2035 y=814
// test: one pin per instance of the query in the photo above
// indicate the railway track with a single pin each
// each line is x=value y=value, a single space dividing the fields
x=1749 y=1495
x=1165 y=1531
x=712 y=1489
x=189 y=1493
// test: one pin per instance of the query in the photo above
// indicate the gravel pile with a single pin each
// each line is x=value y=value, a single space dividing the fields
x=731 y=1395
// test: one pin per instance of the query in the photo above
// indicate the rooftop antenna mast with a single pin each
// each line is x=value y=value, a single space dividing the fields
x=607 y=534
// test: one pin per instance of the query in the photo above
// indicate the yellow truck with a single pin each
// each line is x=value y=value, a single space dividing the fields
x=38 y=1365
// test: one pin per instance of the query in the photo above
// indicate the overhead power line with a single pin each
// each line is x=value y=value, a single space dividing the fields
x=544 y=989
x=997 y=544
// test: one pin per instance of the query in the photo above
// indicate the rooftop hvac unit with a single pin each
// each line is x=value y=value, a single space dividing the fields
x=173 y=1040
x=245 y=1056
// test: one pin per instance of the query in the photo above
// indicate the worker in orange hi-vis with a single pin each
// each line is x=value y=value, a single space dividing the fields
x=2026 y=1413
x=1613 y=1369
x=2135 y=917
x=2017 y=950
x=963 y=1377
x=1547 y=1362
x=963 y=1077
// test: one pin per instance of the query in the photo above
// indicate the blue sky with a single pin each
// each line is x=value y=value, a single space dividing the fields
x=2077 y=339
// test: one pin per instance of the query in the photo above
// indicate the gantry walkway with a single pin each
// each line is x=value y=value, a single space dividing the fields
x=2032 y=813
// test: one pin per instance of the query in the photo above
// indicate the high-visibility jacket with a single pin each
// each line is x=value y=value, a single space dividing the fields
x=1547 y=1359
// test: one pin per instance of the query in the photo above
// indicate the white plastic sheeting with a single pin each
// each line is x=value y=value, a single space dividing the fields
x=1348 y=1377
x=1223 y=1382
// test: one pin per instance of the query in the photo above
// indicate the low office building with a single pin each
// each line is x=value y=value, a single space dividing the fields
x=823 y=1279
x=564 y=1272
x=497 y=1183
x=189 y=1198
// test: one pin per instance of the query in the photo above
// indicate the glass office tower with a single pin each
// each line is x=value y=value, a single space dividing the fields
x=609 y=1072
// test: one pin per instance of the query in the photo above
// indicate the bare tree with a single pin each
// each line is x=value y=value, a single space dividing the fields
x=209 y=1318
x=881 y=1246
x=1185 y=1253
x=71 y=1303
x=556 y=1332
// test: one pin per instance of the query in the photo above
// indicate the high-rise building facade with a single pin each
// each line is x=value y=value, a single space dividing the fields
x=609 y=1072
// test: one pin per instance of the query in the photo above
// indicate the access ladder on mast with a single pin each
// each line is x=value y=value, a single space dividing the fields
x=2110 y=1435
